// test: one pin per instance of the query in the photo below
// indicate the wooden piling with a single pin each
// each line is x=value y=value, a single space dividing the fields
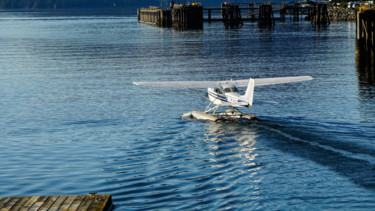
x=283 y=13
x=266 y=15
x=187 y=16
x=295 y=9
x=50 y=203
x=319 y=15
x=231 y=16
x=209 y=15
x=365 y=34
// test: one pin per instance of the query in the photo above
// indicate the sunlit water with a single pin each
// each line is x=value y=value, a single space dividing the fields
x=72 y=122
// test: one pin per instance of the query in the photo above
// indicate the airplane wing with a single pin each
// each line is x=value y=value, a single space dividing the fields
x=180 y=84
x=281 y=80
x=273 y=81
x=213 y=84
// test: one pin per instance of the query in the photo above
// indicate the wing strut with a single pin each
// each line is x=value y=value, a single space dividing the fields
x=208 y=108
x=196 y=92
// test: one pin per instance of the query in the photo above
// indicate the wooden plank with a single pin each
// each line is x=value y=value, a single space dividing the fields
x=85 y=203
x=69 y=200
x=38 y=203
x=51 y=203
x=29 y=203
x=10 y=204
x=48 y=203
x=56 y=205
x=99 y=202
x=20 y=203
x=76 y=203
x=3 y=201
x=106 y=204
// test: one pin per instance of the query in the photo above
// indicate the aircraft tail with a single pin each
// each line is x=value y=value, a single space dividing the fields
x=250 y=92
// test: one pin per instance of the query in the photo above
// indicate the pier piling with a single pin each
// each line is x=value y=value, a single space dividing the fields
x=319 y=15
x=232 y=16
x=365 y=35
x=187 y=16
x=266 y=15
x=295 y=9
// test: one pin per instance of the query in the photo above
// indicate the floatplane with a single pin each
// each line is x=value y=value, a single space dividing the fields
x=225 y=94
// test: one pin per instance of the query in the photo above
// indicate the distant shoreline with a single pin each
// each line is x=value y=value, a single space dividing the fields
x=342 y=14
x=335 y=14
x=67 y=9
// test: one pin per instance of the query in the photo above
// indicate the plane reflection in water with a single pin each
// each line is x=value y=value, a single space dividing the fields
x=233 y=151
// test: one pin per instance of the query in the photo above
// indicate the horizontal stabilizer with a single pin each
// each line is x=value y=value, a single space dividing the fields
x=265 y=102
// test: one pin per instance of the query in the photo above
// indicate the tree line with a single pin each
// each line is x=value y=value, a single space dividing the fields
x=65 y=4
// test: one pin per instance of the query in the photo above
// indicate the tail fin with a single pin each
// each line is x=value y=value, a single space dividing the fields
x=250 y=92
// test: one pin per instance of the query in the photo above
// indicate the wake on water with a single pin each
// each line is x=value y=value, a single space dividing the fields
x=345 y=147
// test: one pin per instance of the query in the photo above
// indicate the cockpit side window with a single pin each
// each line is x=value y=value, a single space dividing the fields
x=219 y=90
x=231 y=89
x=226 y=90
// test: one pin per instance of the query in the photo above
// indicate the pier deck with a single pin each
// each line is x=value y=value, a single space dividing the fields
x=76 y=202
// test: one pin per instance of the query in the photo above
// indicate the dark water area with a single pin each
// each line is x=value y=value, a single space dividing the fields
x=72 y=122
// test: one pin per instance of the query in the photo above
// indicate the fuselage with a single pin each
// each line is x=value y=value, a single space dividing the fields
x=227 y=95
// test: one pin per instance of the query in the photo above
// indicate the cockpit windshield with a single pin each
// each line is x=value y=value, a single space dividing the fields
x=231 y=89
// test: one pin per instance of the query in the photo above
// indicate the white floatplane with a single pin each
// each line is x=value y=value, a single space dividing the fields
x=225 y=94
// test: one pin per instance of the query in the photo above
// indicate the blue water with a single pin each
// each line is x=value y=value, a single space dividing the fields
x=72 y=122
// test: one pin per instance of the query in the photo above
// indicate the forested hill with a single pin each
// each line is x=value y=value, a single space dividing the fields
x=62 y=4
x=66 y=4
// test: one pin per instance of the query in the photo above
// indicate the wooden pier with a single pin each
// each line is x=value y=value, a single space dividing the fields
x=178 y=16
x=155 y=16
x=51 y=203
x=192 y=16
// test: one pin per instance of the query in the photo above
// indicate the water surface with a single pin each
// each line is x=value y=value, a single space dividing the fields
x=72 y=122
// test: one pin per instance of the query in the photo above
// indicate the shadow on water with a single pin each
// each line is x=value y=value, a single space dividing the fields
x=365 y=69
x=366 y=83
x=345 y=148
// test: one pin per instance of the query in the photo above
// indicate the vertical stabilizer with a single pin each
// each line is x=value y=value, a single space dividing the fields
x=250 y=92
